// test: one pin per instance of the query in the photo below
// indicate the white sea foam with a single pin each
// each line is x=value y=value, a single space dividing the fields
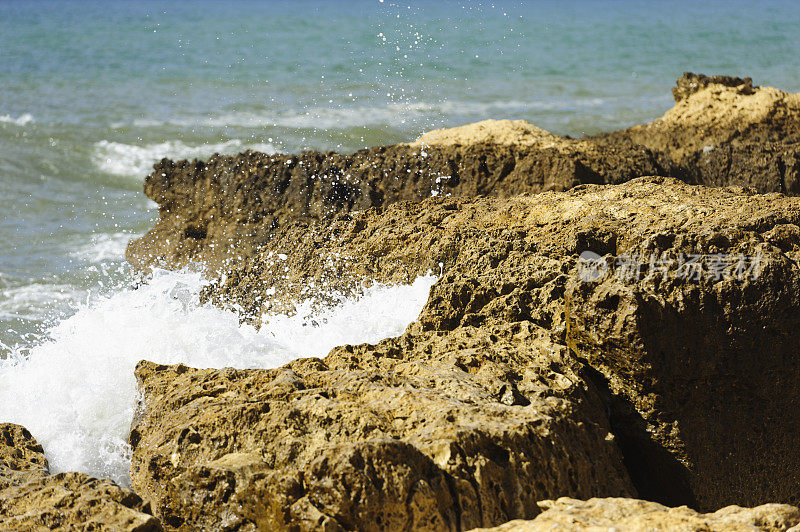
x=104 y=247
x=76 y=391
x=309 y=118
x=391 y=114
x=136 y=161
x=37 y=300
x=21 y=120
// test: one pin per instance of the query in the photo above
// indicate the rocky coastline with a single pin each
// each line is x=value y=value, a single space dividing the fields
x=612 y=340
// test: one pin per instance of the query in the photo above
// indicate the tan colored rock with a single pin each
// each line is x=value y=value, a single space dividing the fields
x=21 y=457
x=221 y=210
x=602 y=515
x=689 y=369
x=714 y=112
x=695 y=378
x=690 y=83
x=722 y=131
x=717 y=113
x=504 y=387
x=427 y=432
x=504 y=132
x=73 y=501
x=31 y=499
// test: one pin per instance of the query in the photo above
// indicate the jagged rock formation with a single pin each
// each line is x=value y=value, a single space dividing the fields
x=601 y=515
x=662 y=364
x=662 y=367
x=21 y=457
x=236 y=202
x=32 y=499
x=722 y=131
x=681 y=364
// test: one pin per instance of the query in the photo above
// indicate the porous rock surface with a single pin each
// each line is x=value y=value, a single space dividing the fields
x=32 y=499
x=440 y=432
x=694 y=376
x=689 y=363
x=219 y=210
x=530 y=374
x=21 y=456
x=722 y=131
x=602 y=515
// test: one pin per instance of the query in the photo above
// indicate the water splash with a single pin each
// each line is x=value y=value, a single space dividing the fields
x=76 y=391
x=136 y=161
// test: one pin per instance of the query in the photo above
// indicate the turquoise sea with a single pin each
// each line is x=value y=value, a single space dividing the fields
x=93 y=92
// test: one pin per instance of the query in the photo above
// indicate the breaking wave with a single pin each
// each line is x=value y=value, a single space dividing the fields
x=76 y=391
x=130 y=160
x=21 y=120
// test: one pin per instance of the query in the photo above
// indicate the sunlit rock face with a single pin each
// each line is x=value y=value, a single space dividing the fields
x=722 y=131
x=32 y=499
x=542 y=364
x=398 y=443
x=598 y=515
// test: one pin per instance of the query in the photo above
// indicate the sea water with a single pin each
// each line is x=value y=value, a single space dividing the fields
x=92 y=93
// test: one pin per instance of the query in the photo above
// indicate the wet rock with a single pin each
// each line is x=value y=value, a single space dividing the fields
x=31 y=499
x=524 y=359
x=636 y=339
x=220 y=210
x=632 y=515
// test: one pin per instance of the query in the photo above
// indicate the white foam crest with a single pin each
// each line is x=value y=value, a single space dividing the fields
x=484 y=109
x=375 y=315
x=136 y=161
x=391 y=114
x=76 y=392
x=104 y=247
x=21 y=120
x=36 y=300
x=310 y=118
x=346 y=117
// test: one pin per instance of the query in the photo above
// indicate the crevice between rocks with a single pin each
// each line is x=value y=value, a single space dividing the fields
x=656 y=473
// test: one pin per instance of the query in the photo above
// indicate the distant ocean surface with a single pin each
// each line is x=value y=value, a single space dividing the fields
x=92 y=93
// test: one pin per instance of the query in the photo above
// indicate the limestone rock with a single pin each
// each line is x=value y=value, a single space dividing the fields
x=21 y=456
x=697 y=371
x=425 y=432
x=505 y=389
x=502 y=132
x=601 y=515
x=690 y=83
x=73 y=501
x=221 y=209
x=722 y=131
x=31 y=499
